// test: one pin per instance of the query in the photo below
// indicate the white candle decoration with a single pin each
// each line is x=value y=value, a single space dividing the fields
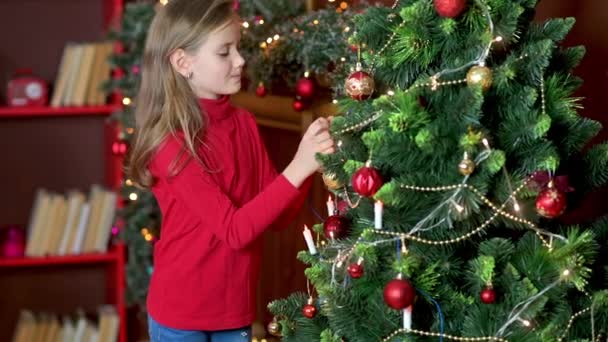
x=331 y=208
x=309 y=241
x=378 y=208
x=407 y=318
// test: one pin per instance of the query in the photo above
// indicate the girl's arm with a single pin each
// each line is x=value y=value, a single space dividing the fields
x=237 y=227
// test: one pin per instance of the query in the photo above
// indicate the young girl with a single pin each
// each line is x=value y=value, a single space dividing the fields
x=206 y=164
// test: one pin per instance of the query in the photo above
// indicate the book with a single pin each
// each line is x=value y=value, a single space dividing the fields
x=104 y=228
x=83 y=222
x=37 y=218
x=75 y=201
x=62 y=77
x=25 y=329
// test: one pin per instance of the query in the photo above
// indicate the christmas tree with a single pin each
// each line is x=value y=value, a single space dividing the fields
x=450 y=183
x=279 y=39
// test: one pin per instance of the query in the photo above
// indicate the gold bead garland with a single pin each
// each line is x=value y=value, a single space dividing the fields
x=571 y=321
x=446 y=336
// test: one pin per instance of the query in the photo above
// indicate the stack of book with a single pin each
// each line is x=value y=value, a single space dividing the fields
x=48 y=328
x=70 y=224
x=83 y=69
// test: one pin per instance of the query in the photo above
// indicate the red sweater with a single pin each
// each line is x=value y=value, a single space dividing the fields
x=207 y=260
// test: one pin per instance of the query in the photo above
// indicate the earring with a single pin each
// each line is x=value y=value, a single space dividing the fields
x=190 y=75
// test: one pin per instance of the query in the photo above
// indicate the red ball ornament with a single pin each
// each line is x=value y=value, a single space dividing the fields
x=355 y=270
x=335 y=226
x=551 y=202
x=309 y=310
x=450 y=8
x=488 y=295
x=305 y=88
x=359 y=85
x=260 y=91
x=298 y=105
x=119 y=148
x=399 y=294
x=367 y=181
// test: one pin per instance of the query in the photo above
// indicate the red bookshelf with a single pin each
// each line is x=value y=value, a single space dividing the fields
x=94 y=258
x=58 y=149
x=28 y=112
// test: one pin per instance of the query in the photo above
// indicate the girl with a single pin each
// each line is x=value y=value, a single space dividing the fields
x=205 y=163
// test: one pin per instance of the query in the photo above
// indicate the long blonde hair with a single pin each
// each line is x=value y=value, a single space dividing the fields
x=165 y=103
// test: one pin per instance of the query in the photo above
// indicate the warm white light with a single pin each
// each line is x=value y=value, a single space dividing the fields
x=307 y=74
x=164 y=2
x=129 y=182
x=526 y=323
x=316 y=22
x=346 y=29
x=343 y=59
x=334 y=101
x=390 y=93
x=566 y=273
x=516 y=207
x=133 y=196
x=498 y=39
x=245 y=24
x=276 y=37
x=126 y=101
x=261 y=22
x=269 y=40
x=486 y=143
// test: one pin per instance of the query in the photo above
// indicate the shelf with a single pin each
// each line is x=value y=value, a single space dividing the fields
x=28 y=112
x=81 y=259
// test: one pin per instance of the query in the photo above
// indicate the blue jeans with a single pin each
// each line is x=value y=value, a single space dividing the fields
x=161 y=333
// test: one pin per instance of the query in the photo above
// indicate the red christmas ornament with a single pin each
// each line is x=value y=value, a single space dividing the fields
x=399 y=294
x=366 y=181
x=119 y=148
x=13 y=243
x=309 y=310
x=551 y=202
x=356 y=270
x=298 y=105
x=335 y=226
x=305 y=88
x=488 y=295
x=359 y=85
x=450 y=8
x=260 y=90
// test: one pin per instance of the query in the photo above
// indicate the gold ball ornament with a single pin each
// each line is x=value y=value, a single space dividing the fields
x=480 y=75
x=274 y=328
x=466 y=167
x=331 y=181
x=359 y=85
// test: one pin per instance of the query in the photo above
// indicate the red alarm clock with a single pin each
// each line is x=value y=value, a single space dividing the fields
x=26 y=90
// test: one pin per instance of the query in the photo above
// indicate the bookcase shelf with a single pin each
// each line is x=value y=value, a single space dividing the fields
x=113 y=256
x=56 y=148
x=26 y=112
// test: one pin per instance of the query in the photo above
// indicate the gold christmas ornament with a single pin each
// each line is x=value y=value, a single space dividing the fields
x=274 y=328
x=466 y=166
x=331 y=181
x=481 y=75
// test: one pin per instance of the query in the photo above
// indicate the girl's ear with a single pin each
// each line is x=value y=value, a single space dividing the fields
x=180 y=62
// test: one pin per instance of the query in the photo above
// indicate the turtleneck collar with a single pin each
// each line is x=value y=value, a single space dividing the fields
x=217 y=109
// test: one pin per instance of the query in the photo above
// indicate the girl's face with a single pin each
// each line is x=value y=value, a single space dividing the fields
x=217 y=65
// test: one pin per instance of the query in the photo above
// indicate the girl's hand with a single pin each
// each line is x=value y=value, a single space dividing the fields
x=316 y=140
